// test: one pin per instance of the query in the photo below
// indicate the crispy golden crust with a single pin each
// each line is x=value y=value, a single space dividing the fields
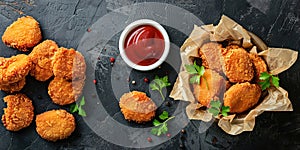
x=259 y=66
x=55 y=125
x=211 y=55
x=136 y=106
x=211 y=86
x=69 y=64
x=238 y=65
x=13 y=87
x=41 y=57
x=14 y=69
x=23 y=34
x=242 y=96
x=19 y=112
x=63 y=92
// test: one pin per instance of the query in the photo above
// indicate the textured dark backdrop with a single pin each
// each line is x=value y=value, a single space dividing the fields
x=65 y=21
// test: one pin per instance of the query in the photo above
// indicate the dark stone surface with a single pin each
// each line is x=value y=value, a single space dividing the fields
x=277 y=22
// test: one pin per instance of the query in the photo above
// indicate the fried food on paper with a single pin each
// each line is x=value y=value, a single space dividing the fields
x=238 y=65
x=259 y=66
x=137 y=106
x=23 y=34
x=41 y=57
x=63 y=92
x=210 y=87
x=19 y=112
x=242 y=96
x=69 y=64
x=14 y=69
x=211 y=55
x=13 y=87
x=55 y=125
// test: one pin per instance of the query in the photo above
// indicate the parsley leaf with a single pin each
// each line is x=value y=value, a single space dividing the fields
x=161 y=127
x=225 y=110
x=78 y=108
x=267 y=80
x=160 y=83
x=196 y=71
x=215 y=110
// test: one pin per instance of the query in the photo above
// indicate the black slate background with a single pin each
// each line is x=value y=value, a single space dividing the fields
x=277 y=22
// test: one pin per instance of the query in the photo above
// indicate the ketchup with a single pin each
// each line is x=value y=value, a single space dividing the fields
x=144 y=45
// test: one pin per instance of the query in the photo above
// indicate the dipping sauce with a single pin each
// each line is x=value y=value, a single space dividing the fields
x=144 y=45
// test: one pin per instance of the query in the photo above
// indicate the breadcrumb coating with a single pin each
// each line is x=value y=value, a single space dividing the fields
x=259 y=66
x=13 y=87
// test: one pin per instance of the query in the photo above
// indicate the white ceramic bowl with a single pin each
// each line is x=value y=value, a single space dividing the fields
x=132 y=26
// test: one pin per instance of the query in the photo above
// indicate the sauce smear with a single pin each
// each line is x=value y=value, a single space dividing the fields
x=144 y=45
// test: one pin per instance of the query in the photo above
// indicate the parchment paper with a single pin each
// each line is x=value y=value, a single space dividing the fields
x=277 y=59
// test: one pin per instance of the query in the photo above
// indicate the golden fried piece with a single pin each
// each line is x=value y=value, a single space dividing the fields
x=14 y=69
x=23 y=34
x=211 y=55
x=19 y=112
x=55 y=125
x=259 y=66
x=211 y=86
x=238 y=65
x=136 y=106
x=13 y=87
x=242 y=96
x=41 y=57
x=63 y=92
x=69 y=64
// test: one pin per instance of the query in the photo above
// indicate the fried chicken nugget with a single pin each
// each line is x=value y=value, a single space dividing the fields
x=259 y=66
x=211 y=55
x=210 y=87
x=69 y=64
x=238 y=65
x=14 y=69
x=63 y=92
x=13 y=87
x=23 y=34
x=55 y=125
x=136 y=106
x=41 y=57
x=242 y=96
x=19 y=112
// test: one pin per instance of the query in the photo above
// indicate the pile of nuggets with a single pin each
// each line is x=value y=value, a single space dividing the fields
x=45 y=61
x=231 y=74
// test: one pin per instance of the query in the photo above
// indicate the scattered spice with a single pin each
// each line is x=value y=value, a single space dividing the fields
x=146 y=80
x=95 y=81
x=168 y=104
x=133 y=82
x=149 y=139
x=112 y=59
x=168 y=135
x=89 y=30
x=182 y=131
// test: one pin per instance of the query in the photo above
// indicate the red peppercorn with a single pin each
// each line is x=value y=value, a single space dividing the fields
x=149 y=139
x=112 y=60
x=146 y=80
x=95 y=81
x=89 y=30
x=168 y=135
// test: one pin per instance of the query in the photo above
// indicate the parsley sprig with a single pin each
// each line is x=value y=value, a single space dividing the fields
x=215 y=110
x=197 y=72
x=268 y=80
x=78 y=108
x=160 y=83
x=161 y=127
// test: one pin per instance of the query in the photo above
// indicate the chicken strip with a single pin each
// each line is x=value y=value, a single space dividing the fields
x=13 y=87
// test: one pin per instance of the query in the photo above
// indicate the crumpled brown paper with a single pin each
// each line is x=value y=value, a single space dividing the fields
x=277 y=59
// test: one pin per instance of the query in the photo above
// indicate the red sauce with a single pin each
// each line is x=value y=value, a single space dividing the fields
x=144 y=45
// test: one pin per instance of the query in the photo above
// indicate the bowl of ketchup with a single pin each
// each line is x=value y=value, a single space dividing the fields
x=144 y=45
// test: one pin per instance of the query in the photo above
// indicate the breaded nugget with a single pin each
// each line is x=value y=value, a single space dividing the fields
x=19 y=112
x=41 y=57
x=211 y=55
x=242 y=96
x=63 y=92
x=55 y=125
x=14 y=69
x=13 y=87
x=211 y=86
x=259 y=66
x=23 y=34
x=136 y=106
x=69 y=64
x=238 y=65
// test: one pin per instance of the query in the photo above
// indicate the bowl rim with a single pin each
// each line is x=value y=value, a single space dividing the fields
x=132 y=26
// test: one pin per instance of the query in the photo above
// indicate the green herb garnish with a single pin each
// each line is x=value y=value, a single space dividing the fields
x=268 y=80
x=78 y=108
x=215 y=110
x=161 y=127
x=197 y=72
x=159 y=83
